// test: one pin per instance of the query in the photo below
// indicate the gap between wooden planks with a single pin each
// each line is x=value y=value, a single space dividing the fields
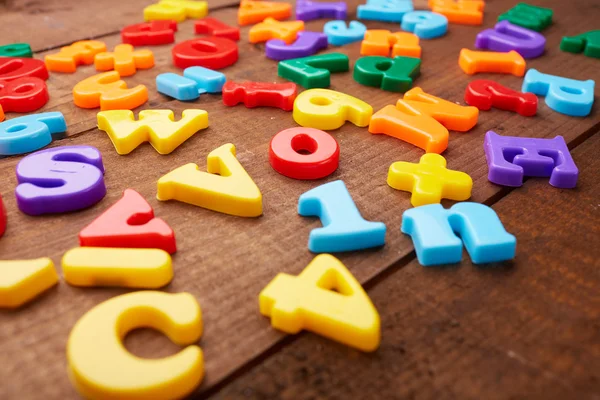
x=225 y=261
x=526 y=329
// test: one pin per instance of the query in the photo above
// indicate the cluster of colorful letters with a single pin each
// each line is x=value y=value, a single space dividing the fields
x=128 y=246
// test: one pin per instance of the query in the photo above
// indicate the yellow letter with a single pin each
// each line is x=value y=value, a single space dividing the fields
x=104 y=266
x=178 y=10
x=327 y=109
x=308 y=301
x=23 y=280
x=100 y=367
x=226 y=188
x=155 y=126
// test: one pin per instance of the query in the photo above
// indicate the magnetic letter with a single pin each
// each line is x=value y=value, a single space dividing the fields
x=60 y=180
x=307 y=43
x=511 y=158
x=16 y=68
x=307 y=10
x=506 y=37
x=155 y=126
x=472 y=62
x=226 y=187
x=23 y=280
x=194 y=82
x=485 y=94
x=270 y=28
x=394 y=75
x=304 y=153
x=214 y=27
x=130 y=223
x=425 y=24
x=260 y=94
x=447 y=113
x=23 y=94
x=308 y=301
x=150 y=33
x=314 y=71
x=100 y=366
x=69 y=57
x=339 y=34
x=344 y=229
x=527 y=16
x=178 y=10
x=108 y=92
x=124 y=60
x=253 y=12
x=432 y=228
x=208 y=52
x=385 y=10
x=29 y=133
x=563 y=95
x=327 y=109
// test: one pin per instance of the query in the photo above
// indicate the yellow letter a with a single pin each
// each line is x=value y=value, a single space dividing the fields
x=226 y=188
x=308 y=301
x=155 y=126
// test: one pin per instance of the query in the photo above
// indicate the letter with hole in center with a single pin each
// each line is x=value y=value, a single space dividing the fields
x=155 y=126
x=326 y=299
x=226 y=187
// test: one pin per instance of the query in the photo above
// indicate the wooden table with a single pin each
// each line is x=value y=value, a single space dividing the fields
x=526 y=329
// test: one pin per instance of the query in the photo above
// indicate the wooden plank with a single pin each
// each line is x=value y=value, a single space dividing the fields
x=215 y=261
x=53 y=23
x=526 y=329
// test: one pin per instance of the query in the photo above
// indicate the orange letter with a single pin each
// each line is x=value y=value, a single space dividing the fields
x=76 y=54
x=452 y=116
x=108 y=92
x=490 y=61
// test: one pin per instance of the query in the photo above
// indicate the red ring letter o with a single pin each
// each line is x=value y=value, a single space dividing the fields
x=285 y=156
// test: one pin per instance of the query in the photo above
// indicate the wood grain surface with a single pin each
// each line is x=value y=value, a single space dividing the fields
x=529 y=329
x=225 y=261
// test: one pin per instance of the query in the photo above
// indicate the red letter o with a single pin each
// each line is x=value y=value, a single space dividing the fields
x=304 y=153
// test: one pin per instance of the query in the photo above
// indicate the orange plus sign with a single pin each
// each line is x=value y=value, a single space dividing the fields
x=429 y=180
x=124 y=60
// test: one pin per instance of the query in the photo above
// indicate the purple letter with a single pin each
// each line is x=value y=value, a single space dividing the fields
x=506 y=37
x=307 y=44
x=307 y=10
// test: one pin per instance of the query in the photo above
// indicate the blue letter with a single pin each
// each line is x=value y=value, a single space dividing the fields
x=194 y=82
x=385 y=10
x=425 y=24
x=432 y=228
x=344 y=229
x=338 y=34
x=29 y=133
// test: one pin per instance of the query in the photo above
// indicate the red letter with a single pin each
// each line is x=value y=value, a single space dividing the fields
x=214 y=27
x=484 y=94
x=208 y=52
x=129 y=222
x=256 y=94
x=150 y=33
x=15 y=68
x=23 y=94
x=304 y=153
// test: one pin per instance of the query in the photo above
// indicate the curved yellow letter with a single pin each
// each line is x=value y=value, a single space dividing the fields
x=101 y=368
x=327 y=109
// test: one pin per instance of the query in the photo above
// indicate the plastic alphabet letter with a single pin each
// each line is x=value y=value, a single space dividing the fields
x=226 y=187
x=16 y=68
x=16 y=50
x=527 y=16
x=314 y=71
x=506 y=37
x=563 y=95
x=2 y=116
x=60 y=180
x=407 y=123
x=100 y=366
x=394 y=75
x=23 y=280
x=304 y=153
x=377 y=42
x=339 y=34
x=260 y=94
x=29 y=133
x=253 y=12
x=194 y=82
x=511 y=158
x=588 y=43
x=69 y=57
x=425 y=24
x=109 y=92
x=385 y=10
x=429 y=181
x=466 y=12
x=214 y=27
x=432 y=228
x=106 y=266
x=327 y=109
x=152 y=33
x=155 y=126
x=472 y=62
x=208 y=52
x=451 y=115
x=344 y=229
x=270 y=28
x=177 y=10
x=129 y=223
x=485 y=94
x=308 y=301
x=3 y=217
x=307 y=44
x=307 y=10
x=23 y=94
x=124 y=60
